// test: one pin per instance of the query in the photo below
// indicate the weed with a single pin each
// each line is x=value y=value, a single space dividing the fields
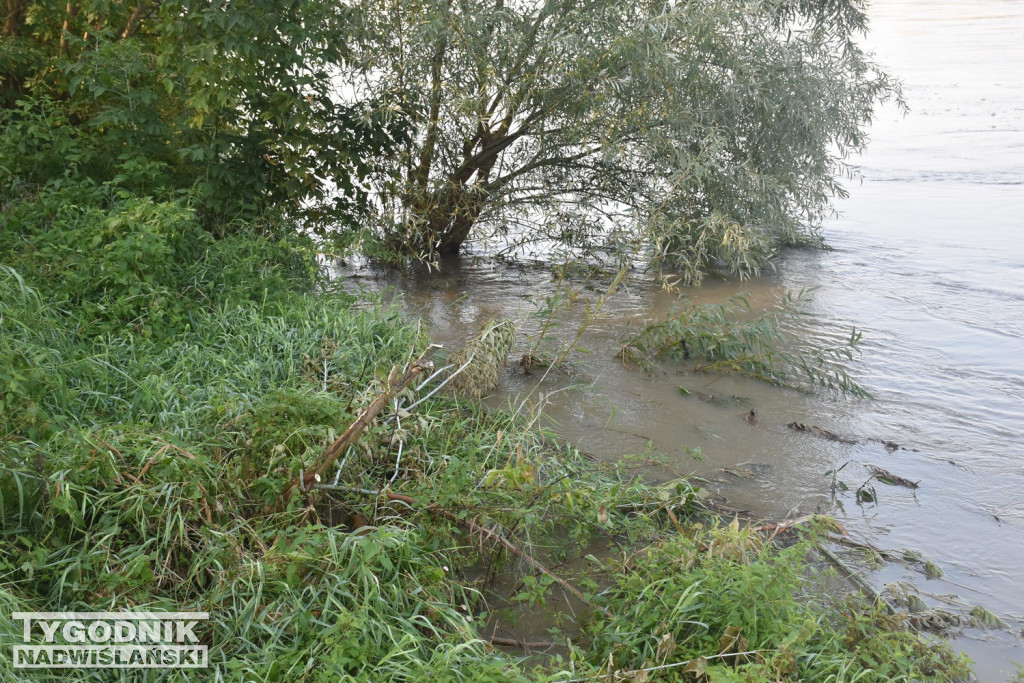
x=724 y=338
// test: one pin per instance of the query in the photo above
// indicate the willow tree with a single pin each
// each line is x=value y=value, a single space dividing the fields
x=713 y=130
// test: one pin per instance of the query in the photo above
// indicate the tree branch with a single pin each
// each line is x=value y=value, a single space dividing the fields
x=422 y=171
x=138 y=14
x=395 y=384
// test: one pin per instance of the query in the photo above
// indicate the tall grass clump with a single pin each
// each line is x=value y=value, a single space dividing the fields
x=726 y=337
x=142 y=474
x=713 y=602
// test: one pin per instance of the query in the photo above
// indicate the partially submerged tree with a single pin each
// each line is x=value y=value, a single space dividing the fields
x=714 y=131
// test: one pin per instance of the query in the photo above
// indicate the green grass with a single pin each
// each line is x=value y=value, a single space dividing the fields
x=145 y=448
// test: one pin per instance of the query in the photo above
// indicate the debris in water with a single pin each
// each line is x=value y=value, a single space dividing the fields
x=938 y=621
x=480 y=362
x=716 y=399
x=525 y=364
x=986 y=619
x=818 y=431
x=741 y=472
x=887 y=477
x=916 y=604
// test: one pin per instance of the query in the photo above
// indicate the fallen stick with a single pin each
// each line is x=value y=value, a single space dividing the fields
x=522 y=644
x=855 y=577
x=395 y=384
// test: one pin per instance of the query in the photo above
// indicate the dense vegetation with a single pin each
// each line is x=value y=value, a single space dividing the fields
x=703 y=135
x=710 y=132
x=171 y=362
x=144 y=463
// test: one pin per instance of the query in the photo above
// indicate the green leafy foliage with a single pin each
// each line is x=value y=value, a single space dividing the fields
x=716 y=604
x=229 y=105
x=167 y=371
x=126 y=262
x=710 y=132
x=148 y=490
x=146 y=472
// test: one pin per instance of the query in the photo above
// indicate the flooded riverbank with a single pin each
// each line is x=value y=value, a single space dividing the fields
x=927 y=261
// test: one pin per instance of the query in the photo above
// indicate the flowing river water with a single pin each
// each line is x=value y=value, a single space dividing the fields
x=928 y=262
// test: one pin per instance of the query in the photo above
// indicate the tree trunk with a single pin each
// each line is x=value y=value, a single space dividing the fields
x=69 y=16
x=444 y=218
x=15 y=18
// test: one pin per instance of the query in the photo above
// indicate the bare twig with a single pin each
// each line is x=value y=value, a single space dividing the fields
x=396 y=383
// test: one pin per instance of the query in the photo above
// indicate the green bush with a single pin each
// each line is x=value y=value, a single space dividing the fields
x=716 y=604
x=127 y=263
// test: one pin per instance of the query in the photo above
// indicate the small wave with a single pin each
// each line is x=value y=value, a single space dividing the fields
x=990 y=294
x=962 y=177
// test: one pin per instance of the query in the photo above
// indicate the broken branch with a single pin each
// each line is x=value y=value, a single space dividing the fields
x=396 y=383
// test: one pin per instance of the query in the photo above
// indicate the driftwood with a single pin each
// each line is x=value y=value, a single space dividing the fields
x=887 y=477
x=522 y=644
x=396 y=383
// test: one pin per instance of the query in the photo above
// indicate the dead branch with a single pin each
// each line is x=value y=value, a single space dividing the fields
x=521 y=644
x=396 y=383
x=855 y=577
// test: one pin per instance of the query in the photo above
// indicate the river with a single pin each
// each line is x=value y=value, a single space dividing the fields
x=927 y=260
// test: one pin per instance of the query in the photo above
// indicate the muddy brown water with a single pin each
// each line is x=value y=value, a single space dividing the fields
x=928 y=262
